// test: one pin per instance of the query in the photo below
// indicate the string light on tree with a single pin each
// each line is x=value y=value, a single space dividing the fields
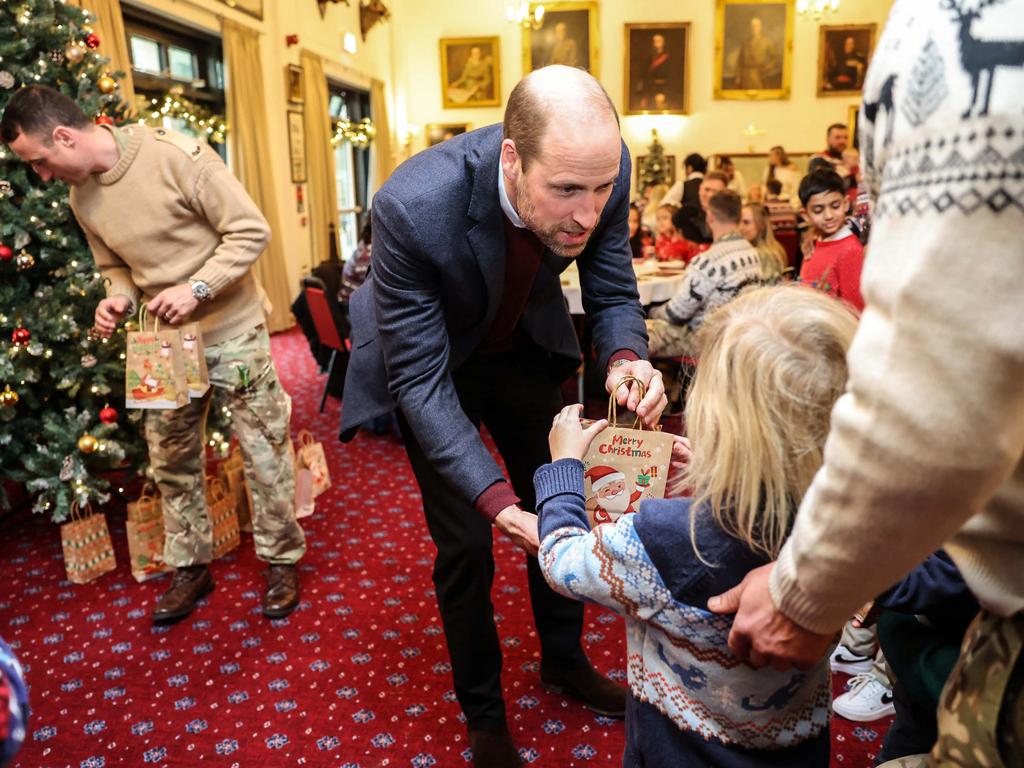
x=175 y=105
x=360 y=134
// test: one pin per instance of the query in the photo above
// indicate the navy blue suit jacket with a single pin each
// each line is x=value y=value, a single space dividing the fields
x=436 y=282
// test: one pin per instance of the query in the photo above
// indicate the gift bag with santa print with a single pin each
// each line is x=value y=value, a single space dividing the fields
x=154 y=373
x=193 y=353
x=311 y=456
x=624 y=466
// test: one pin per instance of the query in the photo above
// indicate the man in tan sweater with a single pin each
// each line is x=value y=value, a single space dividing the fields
x=926 y=448
x=169 y=225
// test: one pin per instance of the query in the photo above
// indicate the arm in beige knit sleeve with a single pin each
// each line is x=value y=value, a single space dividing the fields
x=223 y=201
x=116 y=274
x=933 y=421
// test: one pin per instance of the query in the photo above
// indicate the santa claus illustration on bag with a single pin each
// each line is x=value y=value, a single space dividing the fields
x=610 y=499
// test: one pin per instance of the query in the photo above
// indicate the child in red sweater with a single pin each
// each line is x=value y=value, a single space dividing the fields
x=838 y=257
x=670 y=245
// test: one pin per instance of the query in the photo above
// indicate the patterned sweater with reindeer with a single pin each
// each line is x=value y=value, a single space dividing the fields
x=926 y=448
x=692 y=702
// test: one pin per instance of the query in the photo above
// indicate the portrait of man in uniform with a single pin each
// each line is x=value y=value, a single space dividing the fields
x=656 y=68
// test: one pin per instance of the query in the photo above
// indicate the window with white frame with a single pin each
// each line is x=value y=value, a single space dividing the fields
x=350 y=165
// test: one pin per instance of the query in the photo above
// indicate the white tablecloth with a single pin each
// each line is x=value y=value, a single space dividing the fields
x=652 y=282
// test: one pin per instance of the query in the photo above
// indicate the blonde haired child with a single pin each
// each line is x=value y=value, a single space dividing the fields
x=772 y=363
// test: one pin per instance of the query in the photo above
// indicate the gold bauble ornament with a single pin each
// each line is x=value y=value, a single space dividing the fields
x=8 y=398
x=88 y=444
x=74 y=53
x=25 y=260
x=106 y=84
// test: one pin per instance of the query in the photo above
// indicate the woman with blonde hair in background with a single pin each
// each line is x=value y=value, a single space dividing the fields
x=785 y=170
x=754 y=227
x=772 y=363
x=653 y=196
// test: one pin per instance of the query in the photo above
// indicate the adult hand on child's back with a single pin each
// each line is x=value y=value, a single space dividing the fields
x=763 y=635
x=567 y=438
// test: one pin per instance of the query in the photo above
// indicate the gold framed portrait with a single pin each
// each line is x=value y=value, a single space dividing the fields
x=438 y=132
x=844 y=52
x=470 y=72
x=851 y=123
x=569 y=34
x=657 y=69
x=753 y=49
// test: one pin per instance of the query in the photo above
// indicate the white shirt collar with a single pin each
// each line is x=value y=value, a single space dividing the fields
x=506 y=204
x=845 y=231
x=695 y=175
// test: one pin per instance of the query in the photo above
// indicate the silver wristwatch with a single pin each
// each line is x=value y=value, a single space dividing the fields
x=200 y=290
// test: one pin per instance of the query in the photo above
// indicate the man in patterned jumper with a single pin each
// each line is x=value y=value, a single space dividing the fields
x=168 y=223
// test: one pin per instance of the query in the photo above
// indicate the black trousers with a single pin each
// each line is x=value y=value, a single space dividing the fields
x=516 y=400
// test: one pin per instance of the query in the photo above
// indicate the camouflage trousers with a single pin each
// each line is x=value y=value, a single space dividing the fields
x=981 y=712
x=242 y=369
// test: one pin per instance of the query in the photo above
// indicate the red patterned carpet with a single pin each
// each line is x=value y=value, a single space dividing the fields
x=357 y=677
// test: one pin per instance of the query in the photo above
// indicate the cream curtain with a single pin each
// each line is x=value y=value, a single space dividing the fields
x=250 y=152
x=382 y=163
x=109 y=25
x=323 y=193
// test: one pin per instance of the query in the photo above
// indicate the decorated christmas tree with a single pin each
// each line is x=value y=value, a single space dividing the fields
x=63 y=431
x=653 y=168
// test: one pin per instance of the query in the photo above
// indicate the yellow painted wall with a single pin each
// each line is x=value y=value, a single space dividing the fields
x=405 y=53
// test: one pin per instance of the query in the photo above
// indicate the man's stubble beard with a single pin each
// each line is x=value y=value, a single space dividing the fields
x=549 y=237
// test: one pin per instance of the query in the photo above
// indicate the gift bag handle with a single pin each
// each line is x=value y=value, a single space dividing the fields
x=305 y=438
x=216 y=488
x=80 y=511
x=143 y=314
x=613 y=415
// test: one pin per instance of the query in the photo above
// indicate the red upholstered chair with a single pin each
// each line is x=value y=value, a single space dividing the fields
x=789 y=239
x=326 y=331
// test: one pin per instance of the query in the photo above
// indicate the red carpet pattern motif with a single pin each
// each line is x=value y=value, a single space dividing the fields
x=357 y=677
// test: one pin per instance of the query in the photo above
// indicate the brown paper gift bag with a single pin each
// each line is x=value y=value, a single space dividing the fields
x=311 y=456
x=305 y=501
x=145 y=532
x=193 y=354
x=88 y=551
x=154 y=373
x=232 y=473
x=624 y=466
x=223 y=518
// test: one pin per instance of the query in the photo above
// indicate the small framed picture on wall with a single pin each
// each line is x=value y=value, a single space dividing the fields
x=843 y=55
x=656 y=68
x=470 y=74
x=438 y=132
x=297 y=146
x=293 y=84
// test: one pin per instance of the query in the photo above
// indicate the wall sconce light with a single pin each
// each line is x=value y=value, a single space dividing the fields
x=522 y=16
x=349 y=42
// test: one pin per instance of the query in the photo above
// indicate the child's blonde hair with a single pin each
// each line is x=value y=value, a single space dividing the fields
x=771 y=365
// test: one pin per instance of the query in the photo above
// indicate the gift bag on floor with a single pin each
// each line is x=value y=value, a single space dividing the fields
x=232 y=473
x=624 y=466
x=223 y=519
x=145 y=532
x=154 y=373
x=88 y=551
x=193 y=353
x=311 y=456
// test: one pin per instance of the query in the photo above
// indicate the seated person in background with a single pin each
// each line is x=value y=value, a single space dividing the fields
x=639 y=237
x=353 y=274
x=695 y=216
x=669 y=244
x=755 y=194
x=781 y=214
x=754 y=227
x=713 y=278
x=772 y=364
x=835 y=264
x=736 y=181
x=653 y=196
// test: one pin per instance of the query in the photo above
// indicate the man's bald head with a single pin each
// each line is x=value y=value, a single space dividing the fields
x=549 y=98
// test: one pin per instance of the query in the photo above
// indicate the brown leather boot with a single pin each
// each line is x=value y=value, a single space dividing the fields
x=595 y=691
x=494 y=749
x=190 y=584
x=282 y=593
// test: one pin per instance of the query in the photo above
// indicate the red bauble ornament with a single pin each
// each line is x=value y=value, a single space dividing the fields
x=21 y=336
x=92 y=40
x=104 y=120
x=6 y=254
x=108 y=415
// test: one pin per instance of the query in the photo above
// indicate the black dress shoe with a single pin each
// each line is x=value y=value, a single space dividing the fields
x=494 y=749
x=189 y=585
x=282 y=593
x=595 y=691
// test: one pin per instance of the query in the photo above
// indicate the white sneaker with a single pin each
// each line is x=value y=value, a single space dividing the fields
x=845 y=660
x=867 y=700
